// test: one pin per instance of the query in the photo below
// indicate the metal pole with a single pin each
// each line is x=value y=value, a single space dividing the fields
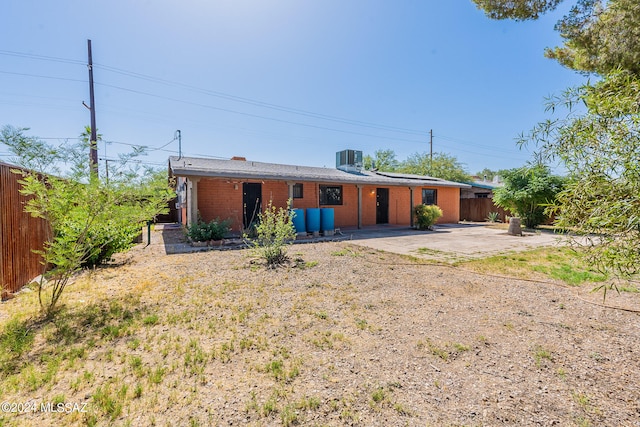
x=179 y=143
x=93 y=152
x=430 y=151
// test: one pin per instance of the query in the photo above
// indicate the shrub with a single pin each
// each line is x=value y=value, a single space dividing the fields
x=215 y=230
x=493 y=217
x=426 y=216
x=91 y=216
x=273 y=232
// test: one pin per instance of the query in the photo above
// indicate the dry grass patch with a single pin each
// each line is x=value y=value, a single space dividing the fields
x=209 y=339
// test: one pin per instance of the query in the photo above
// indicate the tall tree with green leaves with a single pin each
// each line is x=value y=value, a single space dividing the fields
x=594 y=129
x=442 y=166
x=600 y=148
x=487 y=174
x=516 y=9
x=91 y=219
x=599 y=36
x=527 y=191
x=382 y=160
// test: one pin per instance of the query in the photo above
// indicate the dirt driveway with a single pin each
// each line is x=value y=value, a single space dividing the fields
x=454 y=242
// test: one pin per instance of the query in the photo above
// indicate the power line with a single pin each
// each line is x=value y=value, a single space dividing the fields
x=43 y=77
x=197 y=104
x=244 y=100
x=40 y=57
x=218 y=94
x=220 y=108
x=261 y=103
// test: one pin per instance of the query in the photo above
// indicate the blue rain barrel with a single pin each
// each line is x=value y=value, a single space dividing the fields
x=313 y=220
x=298 y=220
x=326 y=219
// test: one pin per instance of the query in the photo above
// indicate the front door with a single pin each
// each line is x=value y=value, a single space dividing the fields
x=382 y=205
x=251 y=202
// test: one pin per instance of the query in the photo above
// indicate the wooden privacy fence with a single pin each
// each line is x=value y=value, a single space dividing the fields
x=20 y=234
x=478 y=210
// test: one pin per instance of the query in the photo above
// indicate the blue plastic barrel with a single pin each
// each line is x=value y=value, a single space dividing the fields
x=297 y=216
x=313 y=220
x=326 y=219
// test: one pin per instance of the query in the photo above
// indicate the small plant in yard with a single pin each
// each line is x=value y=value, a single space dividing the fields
x=274 y=232
x=426 y=216
x=202 y=231
x=540 y=353
x=493 y=217
x=378 y=395
x=15 y=340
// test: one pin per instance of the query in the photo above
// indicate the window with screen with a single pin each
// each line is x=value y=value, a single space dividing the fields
x=429 y=197
x=297 y=191
x=330 y=195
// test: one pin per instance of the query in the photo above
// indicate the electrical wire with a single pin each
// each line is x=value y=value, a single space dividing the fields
x=43 y=77
x=248 y=101
x=217 y=94
x=227 y=110
x=262 y=103
x=41 y=57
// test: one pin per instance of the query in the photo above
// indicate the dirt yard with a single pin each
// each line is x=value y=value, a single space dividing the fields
x=349 y=336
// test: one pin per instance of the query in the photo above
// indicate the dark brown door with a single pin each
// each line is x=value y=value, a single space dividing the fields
x=382 y=205
x=251 y=198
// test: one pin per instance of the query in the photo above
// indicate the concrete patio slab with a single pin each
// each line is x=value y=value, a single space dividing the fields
x=454 y=242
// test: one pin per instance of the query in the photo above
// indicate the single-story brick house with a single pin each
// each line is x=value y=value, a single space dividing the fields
x=239 y=188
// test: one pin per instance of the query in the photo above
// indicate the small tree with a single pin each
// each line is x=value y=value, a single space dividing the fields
x=274 y=231
x=90 y=219
x=426 y=216
x=527 y=191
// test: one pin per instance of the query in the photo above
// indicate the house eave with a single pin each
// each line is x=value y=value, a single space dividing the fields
x=323 y=175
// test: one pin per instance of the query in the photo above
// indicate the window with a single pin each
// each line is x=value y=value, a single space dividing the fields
x=330 y=195
x=482 y=195
x=297 y=191
x=429 y=197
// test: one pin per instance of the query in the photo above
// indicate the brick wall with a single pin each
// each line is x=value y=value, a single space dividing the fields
x=309 y=198
x=221 y=198
x=449 y=201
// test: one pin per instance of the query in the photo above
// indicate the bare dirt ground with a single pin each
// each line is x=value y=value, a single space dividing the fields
x=349 y=336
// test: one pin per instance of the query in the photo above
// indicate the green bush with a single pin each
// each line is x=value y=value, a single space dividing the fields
x=91 y=216
x=273 y=231
x=493 y=217
x=426 y=216
x=204 y=231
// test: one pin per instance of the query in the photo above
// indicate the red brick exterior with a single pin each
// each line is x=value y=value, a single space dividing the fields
x=222 y=198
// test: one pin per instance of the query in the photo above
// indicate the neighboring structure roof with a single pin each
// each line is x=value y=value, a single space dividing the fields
x=487 y=185
x=246 y=169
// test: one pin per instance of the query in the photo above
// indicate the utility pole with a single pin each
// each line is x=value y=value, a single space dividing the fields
x=431 y=151
x=179 y=136
x=93 y=152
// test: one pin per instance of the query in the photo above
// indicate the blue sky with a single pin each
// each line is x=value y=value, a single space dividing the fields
x=286 y=81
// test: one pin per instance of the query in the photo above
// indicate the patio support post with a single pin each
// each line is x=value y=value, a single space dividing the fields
x=192 y=208
x=359 y=206
x=411 y=204
x=290 y=186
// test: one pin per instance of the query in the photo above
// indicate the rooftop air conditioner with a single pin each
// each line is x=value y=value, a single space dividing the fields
x=349 y=160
